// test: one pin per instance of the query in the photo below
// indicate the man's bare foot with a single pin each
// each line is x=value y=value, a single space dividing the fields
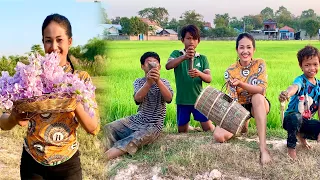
x=265 y=157
x=292 y=153
x=304 y=142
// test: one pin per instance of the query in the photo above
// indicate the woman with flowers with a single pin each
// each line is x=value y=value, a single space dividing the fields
x=50 y=148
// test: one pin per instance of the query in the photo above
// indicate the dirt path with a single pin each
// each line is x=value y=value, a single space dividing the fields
x=132 y=168
x=237 y=159
x=10 y=154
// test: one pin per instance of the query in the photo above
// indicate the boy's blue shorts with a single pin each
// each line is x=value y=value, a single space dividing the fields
x=184 y=112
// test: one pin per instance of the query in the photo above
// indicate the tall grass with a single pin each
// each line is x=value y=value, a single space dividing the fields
x=94 y=68
x=124 y=67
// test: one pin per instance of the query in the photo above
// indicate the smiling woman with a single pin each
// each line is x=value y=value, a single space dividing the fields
x=50 y=149
x=57 y=36
x=247 y=83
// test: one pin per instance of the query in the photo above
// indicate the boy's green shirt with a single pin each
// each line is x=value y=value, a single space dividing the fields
x=188 y=89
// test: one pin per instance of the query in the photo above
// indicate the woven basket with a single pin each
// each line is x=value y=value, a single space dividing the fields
x=48 y=103
x=222 y=109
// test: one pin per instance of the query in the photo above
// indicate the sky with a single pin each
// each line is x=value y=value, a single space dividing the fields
x=208 y=8
x=21 y=22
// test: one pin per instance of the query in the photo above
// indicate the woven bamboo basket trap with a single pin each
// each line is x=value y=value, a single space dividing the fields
x=47 y=103
x=222 y=109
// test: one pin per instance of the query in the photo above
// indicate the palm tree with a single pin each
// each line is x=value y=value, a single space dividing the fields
x=37 y=49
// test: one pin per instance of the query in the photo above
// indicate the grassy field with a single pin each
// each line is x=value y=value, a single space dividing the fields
x=184 y=155
x=195 y=155
x=124 y=67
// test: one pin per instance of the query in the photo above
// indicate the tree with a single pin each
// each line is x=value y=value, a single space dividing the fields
x=160 y=15
x=37 y=49
x=308 y=14
x=173 y=24
x=133 y=26
x=296 y=23
x=152 y=30
x=283 y=16
x=257 y=21
x=312 y=27
x=267 y=13
x=250 y=23
x=235 y=23
x=137 y=26
x=192 y=17
x=222 y=20
x=223 y=32
x=125 y=25
x=143 y=28
x=93 y=48
x=76 y=52
x=104 y=17
x=116 y=20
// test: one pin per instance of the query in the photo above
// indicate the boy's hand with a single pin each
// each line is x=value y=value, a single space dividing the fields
x=154 y=74
x=194 y=73
x=189 y=52
x=150 y=81
x=283 y=96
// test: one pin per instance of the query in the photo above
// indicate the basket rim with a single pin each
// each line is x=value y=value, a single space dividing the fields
x=46 y=94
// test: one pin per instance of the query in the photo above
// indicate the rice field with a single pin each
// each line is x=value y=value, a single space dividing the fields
x=123 y=67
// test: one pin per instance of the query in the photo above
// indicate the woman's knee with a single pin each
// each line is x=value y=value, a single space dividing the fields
x=258 y=98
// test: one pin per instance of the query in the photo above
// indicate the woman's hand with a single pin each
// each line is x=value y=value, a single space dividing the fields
x=235 y=82
x=21 y=118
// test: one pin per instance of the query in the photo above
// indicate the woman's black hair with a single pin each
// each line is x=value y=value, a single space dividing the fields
x=243 y=35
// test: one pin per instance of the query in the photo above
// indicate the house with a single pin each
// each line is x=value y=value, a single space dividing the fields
x=154 y=27
x=207 y=25
x=286 y=33
x=256 y=31
x=110 y=29
x=302 y=34
x=238 y=30
x=169 y=32
x=270 y=28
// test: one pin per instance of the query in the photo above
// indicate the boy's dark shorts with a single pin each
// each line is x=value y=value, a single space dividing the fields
x=249 y=106
x=119 y=136
x=184 y=112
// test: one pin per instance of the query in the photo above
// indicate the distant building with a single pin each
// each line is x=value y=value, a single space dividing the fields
x=256 y=31
x=168 y=32
x=154 y=27
x=207 y=25
x=238 y=30
x=270 y=28
x=110 y=29
x=286 y=33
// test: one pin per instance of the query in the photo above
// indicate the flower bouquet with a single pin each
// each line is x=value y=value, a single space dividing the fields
x=42 y=86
